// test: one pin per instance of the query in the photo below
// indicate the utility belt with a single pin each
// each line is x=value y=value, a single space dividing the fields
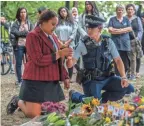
x=97 y=74
x=94 y=74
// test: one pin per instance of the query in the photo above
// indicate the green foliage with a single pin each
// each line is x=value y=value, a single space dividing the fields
x=53 y=119
x=105 y=32
x=142 y=91
x=10 y=7
x=79 y=121
x=87 y=100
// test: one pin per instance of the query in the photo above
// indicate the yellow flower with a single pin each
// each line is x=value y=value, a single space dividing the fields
x=142 y=99
x=141 y=107
x=109 y=112
x=108 y=120
x=95 y=102
x=115 y=104
x=86 y=108
x=126 y=106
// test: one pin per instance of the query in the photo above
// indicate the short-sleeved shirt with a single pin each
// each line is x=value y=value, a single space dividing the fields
x=122 y=41
x=81 y=49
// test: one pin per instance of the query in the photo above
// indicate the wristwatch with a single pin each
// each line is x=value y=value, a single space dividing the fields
x=124 y=78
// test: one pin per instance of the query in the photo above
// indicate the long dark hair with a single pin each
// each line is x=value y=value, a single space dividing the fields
x=69 y=19
x=18 y=13
x=95 y=10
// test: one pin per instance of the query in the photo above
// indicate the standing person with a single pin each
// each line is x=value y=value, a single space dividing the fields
x=137 y=31
x=90 y=9
x=75 y=15
x=77 y=38
x=4 y=33
x=40 y=10
x=76 y=19
x=5 y=30
x=44 y=68
x=140 y=14
x=20 y=28
x=119 y=27
x=142 y=17
x=66 y=30
x=98 y=51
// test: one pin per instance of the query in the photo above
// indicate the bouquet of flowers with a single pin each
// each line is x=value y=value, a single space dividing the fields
x=48 y=107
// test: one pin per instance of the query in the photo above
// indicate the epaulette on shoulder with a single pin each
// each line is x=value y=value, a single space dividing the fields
x=105 y=40
x=85 y=38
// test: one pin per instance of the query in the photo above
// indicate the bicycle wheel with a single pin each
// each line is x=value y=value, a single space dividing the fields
x=6 y=63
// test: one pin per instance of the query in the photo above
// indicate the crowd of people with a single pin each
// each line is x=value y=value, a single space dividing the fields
x=54 y=45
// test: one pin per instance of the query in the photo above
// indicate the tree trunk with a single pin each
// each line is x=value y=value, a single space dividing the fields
x=67 y=4
x=75 y=4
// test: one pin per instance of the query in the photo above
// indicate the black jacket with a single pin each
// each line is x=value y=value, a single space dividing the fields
x=15 y=33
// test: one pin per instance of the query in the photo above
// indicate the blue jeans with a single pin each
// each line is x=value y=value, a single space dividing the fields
x=19 y=52
x=111 y=85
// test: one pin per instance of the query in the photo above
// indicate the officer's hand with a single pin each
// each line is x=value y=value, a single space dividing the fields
x=124 y=83
x=66 y=84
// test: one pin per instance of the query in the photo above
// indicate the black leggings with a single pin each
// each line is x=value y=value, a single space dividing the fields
x=125 y=59
x=70 y=71
x=138 y=64
x=142 y=42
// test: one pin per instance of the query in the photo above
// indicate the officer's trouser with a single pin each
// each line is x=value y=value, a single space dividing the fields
x=111 y=85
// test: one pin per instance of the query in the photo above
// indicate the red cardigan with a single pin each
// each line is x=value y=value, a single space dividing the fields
x=41 y=60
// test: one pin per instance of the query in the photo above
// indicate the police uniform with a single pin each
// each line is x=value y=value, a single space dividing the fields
x=97 y=62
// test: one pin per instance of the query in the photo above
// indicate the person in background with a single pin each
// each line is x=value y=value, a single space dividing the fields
x=66 y=30
x=40 y=10
x=4 y=32
x=137 y=31
x=20 y=28
x=90 y=9
x=119 y=27
x=76 y=18
x=43 y=70
x=5 y=41
x=75 y=15
x=142 y=17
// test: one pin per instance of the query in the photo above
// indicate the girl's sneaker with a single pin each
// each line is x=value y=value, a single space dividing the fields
x=12 y=105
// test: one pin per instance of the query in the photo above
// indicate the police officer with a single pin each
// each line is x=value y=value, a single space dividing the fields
x=98 y=51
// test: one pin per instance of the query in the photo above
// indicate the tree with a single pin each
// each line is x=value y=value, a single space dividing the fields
x=105 y=7
x=75 y=4
x=67 y=4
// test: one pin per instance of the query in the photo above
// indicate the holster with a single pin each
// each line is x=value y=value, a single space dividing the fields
x=96 y=74
x=80 y=76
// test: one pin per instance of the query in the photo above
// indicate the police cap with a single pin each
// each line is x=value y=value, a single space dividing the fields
x=93 y=21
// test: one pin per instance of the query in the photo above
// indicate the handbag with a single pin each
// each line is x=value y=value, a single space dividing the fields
x=139 y=50
x=13 y=40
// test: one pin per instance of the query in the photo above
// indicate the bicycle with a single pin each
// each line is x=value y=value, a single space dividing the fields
x=6 y=60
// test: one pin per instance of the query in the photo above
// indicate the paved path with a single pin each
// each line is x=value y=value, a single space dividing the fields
x=142 y=69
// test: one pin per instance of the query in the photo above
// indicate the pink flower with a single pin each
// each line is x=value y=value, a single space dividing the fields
x=137 y=99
